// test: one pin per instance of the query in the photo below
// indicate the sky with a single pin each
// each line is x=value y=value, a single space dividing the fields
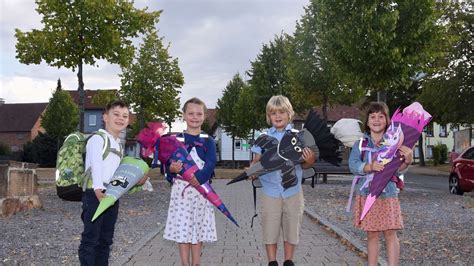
x=212 y=39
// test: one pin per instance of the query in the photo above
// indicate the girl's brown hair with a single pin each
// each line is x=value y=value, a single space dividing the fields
x=195 y=101
x=377 y=107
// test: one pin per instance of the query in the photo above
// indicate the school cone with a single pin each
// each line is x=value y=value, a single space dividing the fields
x=127 y=175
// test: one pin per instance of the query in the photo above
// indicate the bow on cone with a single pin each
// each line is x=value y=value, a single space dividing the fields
x=407 y=126
x=166 y=148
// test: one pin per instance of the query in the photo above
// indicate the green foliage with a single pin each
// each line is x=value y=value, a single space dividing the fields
x=42 y=150
x=440 y=154
x=61 y=115
x=244 y=116
x=103 y=97
x=4 y=149
x=151 y=84
x=314 y=78
x=82 y=32
x=269 y=76
x=448 y=94
x=226 y=108
x=380 y=45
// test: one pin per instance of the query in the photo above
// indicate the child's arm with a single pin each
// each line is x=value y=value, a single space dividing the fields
x=210 y=159
x=96 y=163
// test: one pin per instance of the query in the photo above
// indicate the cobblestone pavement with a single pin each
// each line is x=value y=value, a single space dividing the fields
x=243 y=246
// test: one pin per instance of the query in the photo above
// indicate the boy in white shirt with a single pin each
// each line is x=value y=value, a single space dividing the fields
x=97 y=236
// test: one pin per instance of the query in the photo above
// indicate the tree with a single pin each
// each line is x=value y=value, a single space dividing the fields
x=61 y=115
x=82 y=32
x=448 y=93
x=42 y=150
x=151 y=83
x=314 y=78
x=225 y=109
x=269 y=76
x=380 y=45
x=104 y=97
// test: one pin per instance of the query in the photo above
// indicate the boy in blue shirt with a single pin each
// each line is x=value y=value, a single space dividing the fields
x=282 y=209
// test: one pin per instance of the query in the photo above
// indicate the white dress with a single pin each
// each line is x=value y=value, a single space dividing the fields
x=191 y=217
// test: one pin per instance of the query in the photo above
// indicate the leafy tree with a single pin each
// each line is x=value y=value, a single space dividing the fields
x=42 y=150
x=269 y=76
x=151 y=83
x=4 y=149
x=449 y=93
x=226 y=114
x=380 y=45
x=314 y=78
x=61 y=115
x=103 y=97
x=82 y=32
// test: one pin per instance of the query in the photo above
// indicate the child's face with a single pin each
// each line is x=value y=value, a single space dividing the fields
x=279 y=119
x=116 y=119
x=194 y=116
x=377 y=122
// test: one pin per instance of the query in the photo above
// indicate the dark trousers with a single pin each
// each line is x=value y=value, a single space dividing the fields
x=97 y=236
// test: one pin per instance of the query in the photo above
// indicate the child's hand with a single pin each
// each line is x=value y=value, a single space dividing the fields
x=308 y=156
x=407 y=154
x=99 y=194
x=176 y=167
x=375 y=167
x=194 y=182
x=142 y=181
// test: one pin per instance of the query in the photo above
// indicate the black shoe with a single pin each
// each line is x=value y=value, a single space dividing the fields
x=288 y=263
x=273 y=263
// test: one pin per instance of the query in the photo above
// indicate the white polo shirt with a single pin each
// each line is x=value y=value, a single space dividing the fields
x=101 y=170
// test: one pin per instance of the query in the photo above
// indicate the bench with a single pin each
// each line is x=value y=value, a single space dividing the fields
x=323 y=169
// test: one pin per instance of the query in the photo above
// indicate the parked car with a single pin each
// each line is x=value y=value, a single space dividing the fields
x=461 y=178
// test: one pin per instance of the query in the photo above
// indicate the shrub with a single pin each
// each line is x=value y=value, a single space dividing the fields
x=42 y=150
x=440 y=154
x=4 y=149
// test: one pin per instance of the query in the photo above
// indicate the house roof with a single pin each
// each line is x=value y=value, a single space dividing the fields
x=20 y=117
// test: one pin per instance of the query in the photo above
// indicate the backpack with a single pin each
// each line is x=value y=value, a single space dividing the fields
x=71 y=176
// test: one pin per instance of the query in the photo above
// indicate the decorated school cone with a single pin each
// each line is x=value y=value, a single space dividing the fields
x=127 y=175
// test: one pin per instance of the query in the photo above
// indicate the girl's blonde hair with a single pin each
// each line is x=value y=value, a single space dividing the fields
x=279 y=102
x=195 y=101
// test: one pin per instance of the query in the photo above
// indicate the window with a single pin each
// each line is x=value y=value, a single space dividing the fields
x=92 y=120
x=443 y=131
x=429 y=130
x=237 y=144
x=20 y=135
x=429 y=152
x=416 y=152
x=469 y=154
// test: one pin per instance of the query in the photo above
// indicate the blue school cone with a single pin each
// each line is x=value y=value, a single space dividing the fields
x=127 y=175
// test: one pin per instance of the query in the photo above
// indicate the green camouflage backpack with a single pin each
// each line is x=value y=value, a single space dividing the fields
x=71 y=176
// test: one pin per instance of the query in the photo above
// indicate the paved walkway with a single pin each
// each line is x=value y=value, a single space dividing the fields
x=243 y=246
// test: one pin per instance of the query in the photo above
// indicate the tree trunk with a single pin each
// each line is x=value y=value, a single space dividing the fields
x=382 y=96
x=420 y=150
x=142 y=118
x=233 y=149
x=325 y=107
x=80 y=89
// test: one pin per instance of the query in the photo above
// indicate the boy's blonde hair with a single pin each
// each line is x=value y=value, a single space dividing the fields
x=279 y=102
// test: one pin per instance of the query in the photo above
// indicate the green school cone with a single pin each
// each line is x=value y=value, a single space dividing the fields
x=127 y=175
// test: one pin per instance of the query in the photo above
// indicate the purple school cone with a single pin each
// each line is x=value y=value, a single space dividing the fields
x=127 y=175
x=411 y=122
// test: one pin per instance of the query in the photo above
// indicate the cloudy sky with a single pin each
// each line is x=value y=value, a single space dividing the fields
x=212 y=39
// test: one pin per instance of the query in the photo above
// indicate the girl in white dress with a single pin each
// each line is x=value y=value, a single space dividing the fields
x=191 y=219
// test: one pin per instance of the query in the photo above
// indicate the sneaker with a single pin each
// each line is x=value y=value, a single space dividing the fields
x=273 y=263
x=288 y=263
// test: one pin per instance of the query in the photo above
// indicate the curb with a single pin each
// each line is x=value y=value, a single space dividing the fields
x=122 y=260
x=356 y=243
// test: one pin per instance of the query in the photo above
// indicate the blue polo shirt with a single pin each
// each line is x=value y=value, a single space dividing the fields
x=271 y=182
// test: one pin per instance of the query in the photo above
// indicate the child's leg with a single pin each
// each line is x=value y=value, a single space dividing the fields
x=184 y=253
x=393 y=246
x=196 y=253
x=293 y=208
x=271 y=224
x=373 y=247
x=271 y=251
